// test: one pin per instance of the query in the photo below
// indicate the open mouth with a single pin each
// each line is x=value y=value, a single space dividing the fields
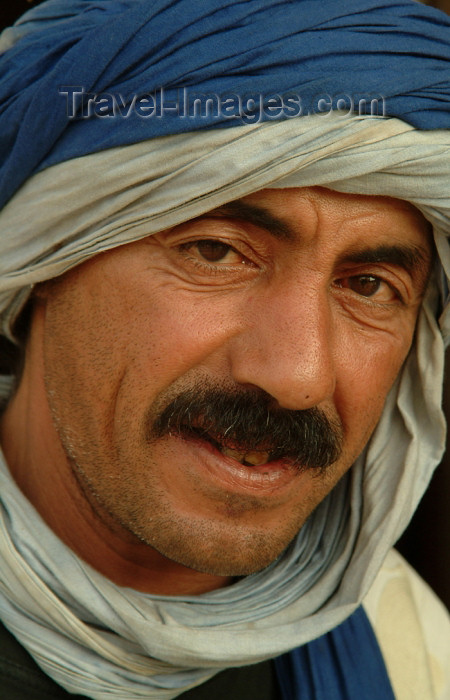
x=249 y=457
x=253 y=458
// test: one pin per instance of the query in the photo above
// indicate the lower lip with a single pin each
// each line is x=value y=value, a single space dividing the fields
x=231 y=474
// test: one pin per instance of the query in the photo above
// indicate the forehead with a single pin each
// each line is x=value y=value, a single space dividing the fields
x=300 y=202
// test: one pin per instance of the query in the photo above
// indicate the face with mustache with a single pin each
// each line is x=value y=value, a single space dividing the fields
x=190 y=398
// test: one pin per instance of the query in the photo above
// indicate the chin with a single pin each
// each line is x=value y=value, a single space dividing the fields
x=222 y=551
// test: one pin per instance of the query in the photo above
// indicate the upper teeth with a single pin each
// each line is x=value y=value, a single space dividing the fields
x=254 y=458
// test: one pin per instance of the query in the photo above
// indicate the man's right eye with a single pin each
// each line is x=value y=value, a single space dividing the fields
x=214 y=251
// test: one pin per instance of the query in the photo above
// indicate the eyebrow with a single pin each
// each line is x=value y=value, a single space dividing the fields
x=410 y=257
x=258 y=216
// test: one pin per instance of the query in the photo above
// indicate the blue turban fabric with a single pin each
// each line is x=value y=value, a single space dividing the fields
x=398 y=50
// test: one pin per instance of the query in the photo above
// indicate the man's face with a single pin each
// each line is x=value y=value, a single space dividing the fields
x=176 y=366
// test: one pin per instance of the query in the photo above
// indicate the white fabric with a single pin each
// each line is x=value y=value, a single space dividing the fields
x=90 y=204
x=413 y=630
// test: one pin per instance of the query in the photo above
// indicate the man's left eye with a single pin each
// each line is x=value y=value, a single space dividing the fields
x=369 y=286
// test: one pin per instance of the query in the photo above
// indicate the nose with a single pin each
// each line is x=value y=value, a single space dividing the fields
x=286 y=348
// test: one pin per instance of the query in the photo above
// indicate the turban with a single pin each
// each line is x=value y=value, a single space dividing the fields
x=74 y=185
x=132 y=48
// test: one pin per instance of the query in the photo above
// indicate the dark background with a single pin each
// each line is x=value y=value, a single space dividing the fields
x=426 y=543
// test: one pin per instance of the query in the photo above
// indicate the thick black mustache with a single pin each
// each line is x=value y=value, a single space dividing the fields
x=249 y=421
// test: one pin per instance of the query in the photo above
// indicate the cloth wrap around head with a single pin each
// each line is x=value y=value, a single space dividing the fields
x=72 y=188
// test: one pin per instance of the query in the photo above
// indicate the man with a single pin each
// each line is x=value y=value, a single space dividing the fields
x=229 y=399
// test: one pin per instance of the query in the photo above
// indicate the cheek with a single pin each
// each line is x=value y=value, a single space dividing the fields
x=109 y=352
x=173 y=330
x=146 y=336
x=368 y=367
x=81 y=363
